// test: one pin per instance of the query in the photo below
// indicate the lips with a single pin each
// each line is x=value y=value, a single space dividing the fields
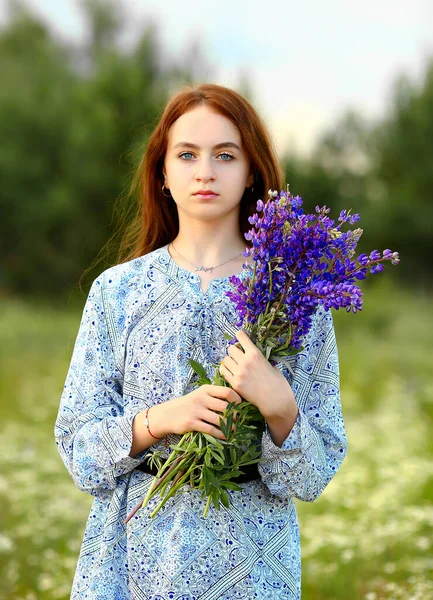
x=205 y=194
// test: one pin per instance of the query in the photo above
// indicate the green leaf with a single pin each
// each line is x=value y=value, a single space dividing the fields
x=217 y=456
x=223 y=443
x=252 y=462
x=212 y=439
x=154 y=459
x=228 y=336
x=228 y=476
x=245 y=457
x=198 y=368
x=291 y=351
x=178 y=448
x=223 y=425
x=216 y=497
x=230 y=485
x=229 y=424
x=224 y=499
x=252 y=451
x=206 y=480
x=207 y=459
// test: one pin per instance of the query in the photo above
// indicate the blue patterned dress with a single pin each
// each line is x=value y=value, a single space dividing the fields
x=141 y=323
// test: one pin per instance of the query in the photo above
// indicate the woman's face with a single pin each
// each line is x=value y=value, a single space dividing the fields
x=193 y=162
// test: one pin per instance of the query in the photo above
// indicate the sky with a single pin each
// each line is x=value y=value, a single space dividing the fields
x=306 y=61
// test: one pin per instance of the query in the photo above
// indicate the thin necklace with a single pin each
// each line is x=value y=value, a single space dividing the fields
x=201 y=267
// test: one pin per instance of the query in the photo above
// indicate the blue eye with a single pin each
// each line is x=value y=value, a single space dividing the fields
x=222 y=154
x=183 y=154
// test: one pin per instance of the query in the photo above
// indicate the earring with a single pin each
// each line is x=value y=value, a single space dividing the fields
x=169 y=196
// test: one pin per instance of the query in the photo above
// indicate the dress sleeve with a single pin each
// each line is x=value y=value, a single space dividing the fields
x=317 y=444
x=92 y=433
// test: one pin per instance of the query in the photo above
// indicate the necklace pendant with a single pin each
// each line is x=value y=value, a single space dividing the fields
x=202 y=268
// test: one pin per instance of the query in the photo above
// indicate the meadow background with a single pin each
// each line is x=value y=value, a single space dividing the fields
x=73 y=121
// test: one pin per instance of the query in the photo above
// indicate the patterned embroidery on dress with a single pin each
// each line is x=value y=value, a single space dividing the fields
x=142 y=322
x=175 y=540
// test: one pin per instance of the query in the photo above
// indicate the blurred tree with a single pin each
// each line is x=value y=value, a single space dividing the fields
x=106 y=20
x=73 y=121
x=404 y=168
x=35 y=103
x=381 y=170
x=337 y=172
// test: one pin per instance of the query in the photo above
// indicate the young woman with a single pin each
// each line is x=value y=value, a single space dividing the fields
x=130 y=387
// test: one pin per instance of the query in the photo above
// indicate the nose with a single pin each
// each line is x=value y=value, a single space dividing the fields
x=205 y=171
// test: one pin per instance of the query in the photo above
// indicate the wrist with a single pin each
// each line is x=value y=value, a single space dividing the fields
x=281 y=425
x=282 y=408
x=284 y=416
x=156 y=421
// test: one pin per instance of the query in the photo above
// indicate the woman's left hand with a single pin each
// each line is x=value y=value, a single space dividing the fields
x=253 y=377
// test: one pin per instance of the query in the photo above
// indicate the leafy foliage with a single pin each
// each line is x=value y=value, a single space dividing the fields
x=206 y=463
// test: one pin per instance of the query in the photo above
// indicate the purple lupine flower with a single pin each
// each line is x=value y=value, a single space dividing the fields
x=300 y=261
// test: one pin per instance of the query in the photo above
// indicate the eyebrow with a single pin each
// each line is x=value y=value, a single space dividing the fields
x=221 y=145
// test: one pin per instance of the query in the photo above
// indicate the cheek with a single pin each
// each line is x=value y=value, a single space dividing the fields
x=237 y=186
x=180 y=173
x=241 y=175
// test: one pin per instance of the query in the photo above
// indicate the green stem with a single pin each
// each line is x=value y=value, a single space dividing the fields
x=177 y=484
x=175 y=481
x=206 y=508
x=185 y=458
x=289 y=337
x=159 y=480
x=162 y=476
x=253 y=279
x=172 y=471
x=270 y=278
x=174 y=457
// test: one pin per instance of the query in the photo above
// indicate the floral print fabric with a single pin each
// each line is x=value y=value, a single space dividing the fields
x=141 y=323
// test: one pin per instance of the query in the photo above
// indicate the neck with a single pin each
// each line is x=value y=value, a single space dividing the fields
x=209 y=247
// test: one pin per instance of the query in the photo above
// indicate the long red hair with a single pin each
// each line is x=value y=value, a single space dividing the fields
x=155 y=221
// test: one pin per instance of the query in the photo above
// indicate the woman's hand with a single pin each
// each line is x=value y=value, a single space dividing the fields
x=200 y=410
x=247 y=370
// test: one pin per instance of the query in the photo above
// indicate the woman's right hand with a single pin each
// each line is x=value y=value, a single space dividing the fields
x=200 y=410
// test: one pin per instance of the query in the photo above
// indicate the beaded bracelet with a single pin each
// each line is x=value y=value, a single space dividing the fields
x=146 y=421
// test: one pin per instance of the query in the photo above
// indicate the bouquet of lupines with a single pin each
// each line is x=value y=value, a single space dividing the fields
x=299 y=262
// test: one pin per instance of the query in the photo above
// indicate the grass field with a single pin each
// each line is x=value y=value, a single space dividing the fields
x=368 y=536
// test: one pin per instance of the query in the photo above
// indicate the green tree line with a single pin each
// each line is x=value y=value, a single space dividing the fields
x=74 y=120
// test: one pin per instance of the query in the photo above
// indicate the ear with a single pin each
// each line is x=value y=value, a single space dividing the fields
x=250 y=180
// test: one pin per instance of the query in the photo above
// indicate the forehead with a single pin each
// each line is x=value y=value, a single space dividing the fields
x=204 y=127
